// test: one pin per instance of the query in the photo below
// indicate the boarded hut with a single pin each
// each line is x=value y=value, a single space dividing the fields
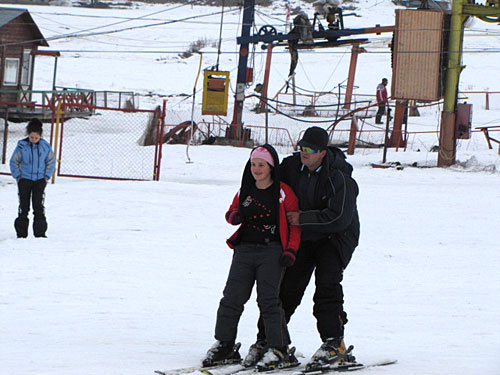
x=20 y=38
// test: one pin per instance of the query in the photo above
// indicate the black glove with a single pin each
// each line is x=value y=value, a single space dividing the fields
x=233 y=217
x=287 y=258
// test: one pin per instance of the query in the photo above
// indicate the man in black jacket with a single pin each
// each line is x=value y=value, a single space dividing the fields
x=321 y=179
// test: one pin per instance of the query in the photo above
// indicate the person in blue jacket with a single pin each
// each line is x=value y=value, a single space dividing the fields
x=32 y=164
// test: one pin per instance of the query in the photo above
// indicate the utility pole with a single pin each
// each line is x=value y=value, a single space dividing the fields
x=248 y=19
x=460 y=10
x=447 y=138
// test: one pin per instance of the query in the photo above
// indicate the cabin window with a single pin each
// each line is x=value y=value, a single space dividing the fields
x=11 y=71
x=26 y=68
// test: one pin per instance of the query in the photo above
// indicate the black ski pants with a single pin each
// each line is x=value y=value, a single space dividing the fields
x=254 y=263
x=33 y=191
x=380 y=113
x=322 y=258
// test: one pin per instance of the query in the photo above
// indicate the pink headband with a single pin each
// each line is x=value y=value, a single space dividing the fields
x=262 y=153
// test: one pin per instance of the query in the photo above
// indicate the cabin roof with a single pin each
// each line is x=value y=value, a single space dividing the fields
x=7 y=15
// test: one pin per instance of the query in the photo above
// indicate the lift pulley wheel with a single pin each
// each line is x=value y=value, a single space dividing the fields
x=267 y=30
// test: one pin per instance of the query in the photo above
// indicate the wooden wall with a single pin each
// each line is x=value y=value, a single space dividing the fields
x=417 y=55
x=18 y=30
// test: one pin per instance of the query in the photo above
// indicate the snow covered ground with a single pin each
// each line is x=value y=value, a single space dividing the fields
x=130 y=276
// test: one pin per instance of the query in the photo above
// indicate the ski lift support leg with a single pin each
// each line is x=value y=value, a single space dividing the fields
x=248 y=19
x=245 y=39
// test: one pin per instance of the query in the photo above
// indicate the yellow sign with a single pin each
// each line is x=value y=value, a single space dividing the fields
x=215 y=93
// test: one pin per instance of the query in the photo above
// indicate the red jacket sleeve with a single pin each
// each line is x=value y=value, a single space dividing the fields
x=291 y=204
x=233 y=208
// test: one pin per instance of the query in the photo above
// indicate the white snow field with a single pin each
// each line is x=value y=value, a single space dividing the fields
x=130 y=276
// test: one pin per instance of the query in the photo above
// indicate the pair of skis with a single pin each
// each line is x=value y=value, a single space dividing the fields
x=240 y=370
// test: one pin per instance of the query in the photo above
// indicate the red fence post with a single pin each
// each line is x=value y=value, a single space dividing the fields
x=352 y=135
x=160 y=139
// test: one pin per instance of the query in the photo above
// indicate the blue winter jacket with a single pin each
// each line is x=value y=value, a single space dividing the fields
x=33 y=161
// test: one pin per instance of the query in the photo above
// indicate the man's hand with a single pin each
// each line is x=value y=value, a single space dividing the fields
x=293 y=217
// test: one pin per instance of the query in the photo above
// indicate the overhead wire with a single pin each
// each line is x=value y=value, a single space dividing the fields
x=135 y=19
x=271 y=17
x=134 y=27
x=334 y=70
x=155 y=42
x=220 y=35
x=85 y=33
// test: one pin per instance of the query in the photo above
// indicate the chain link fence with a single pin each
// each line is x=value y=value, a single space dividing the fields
x=111 y=143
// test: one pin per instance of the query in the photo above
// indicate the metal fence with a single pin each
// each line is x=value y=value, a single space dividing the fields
x=123 y=144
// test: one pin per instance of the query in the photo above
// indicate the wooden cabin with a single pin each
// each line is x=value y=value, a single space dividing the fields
x=20 y=38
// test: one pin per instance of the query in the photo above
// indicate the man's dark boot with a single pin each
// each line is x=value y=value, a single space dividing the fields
x=21 y=225
x=40 y=226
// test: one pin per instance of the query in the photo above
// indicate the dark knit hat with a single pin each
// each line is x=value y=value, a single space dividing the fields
x=315 y=137
x=34 y=126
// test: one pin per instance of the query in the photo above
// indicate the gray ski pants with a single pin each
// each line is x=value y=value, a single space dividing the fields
x=254 y=263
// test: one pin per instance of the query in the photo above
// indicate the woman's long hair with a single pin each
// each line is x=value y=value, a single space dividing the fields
x=247 y=181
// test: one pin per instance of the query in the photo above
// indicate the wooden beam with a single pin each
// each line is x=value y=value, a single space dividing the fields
x=46 y=53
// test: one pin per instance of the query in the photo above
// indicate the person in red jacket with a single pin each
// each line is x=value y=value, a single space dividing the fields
x=264 y=245
x=382 y=100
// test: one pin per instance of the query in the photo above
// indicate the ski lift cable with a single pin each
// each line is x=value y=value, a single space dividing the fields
x=76 y=35
x=305 y=73
x=316 y=105
x=297 y=119
x=153 y=42
x=291 y=84
x=87 y=34
x=189 y=2
x=192 y=109
x=268 y=16
x=334 y=69
x=137 y=18
x=236 y=52
x=220 y=35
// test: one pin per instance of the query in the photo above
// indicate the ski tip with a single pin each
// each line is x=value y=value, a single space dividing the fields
x=392 y=361
x=386 y=362
x=369 y=365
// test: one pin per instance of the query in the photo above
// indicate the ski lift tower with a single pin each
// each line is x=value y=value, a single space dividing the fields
x=303 y=36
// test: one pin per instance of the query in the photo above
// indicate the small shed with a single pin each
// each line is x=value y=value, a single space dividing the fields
x=20 y=38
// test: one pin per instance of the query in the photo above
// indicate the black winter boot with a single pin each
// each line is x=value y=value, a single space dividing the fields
x=255 y=353
x=40 y=226
x=222 y=353
x=276 y=358
x=21 y=225
x=332 y=352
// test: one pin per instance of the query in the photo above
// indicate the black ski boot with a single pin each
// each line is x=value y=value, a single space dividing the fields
x=330 y=354
x=21 y=225
x=255 y=353
x=222 y=353
x=277 y=358
x=40 y=226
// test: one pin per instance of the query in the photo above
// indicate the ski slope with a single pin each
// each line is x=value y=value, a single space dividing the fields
x=130 y=276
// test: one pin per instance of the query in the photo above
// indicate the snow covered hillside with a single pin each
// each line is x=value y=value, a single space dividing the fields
x=130 y=276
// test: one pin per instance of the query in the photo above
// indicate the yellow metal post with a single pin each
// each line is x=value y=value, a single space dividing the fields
x=56 y=140
x=460 y=10
x=447 y=140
